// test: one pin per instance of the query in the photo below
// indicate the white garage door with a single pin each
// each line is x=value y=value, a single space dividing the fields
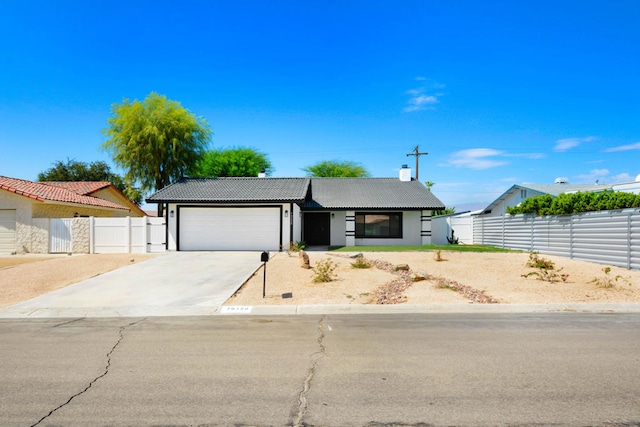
x=229 y=229
x=7 y=231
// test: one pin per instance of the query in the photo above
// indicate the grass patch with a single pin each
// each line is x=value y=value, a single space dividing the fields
x=420 y=248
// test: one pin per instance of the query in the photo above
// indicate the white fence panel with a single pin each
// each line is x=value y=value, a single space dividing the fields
x=442 y=226
x=60 y=238
x=156 y=234
x=128 y=235
x=111 y=235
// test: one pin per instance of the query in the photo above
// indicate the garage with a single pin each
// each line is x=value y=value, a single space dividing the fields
x=229 y=228
x=7 y=231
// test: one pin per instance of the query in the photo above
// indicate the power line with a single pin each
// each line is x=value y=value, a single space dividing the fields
x=417 y=154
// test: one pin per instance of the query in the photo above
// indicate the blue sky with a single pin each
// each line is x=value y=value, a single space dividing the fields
x=497 y=92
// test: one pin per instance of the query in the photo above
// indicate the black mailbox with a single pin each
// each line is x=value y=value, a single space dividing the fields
x=264 y=257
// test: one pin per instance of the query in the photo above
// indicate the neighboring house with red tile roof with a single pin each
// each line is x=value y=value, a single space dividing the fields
x=26 y=208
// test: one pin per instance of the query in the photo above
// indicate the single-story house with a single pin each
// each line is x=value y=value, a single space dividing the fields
x=517 y=193
x=27 y=209
x=270 y=213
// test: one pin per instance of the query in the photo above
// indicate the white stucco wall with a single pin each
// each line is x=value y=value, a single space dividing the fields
x=57 y=210
x=338 y=227
x=113 y=195
x=297 y=224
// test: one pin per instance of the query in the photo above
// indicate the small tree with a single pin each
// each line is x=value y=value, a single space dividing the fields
x=155 y=141
x=235 y=161
x=337 y=169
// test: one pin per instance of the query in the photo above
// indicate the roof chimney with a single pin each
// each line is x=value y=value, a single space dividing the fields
x=405 y=173
x=262 y=173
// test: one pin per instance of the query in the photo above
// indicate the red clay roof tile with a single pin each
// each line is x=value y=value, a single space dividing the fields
x=58 y=192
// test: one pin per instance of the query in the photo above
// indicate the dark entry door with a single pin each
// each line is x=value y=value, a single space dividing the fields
x=316 y=229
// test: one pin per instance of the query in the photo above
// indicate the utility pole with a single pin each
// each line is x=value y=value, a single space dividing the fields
x=417 y=154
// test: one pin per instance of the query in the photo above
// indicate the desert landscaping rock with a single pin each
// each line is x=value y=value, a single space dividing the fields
x=402 y=267
x=304 y=260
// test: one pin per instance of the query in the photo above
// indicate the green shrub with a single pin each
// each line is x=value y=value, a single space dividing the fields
x=361 y=262
x=323 y=271
x=608 y=281
x=546 y=270
x=567 y=204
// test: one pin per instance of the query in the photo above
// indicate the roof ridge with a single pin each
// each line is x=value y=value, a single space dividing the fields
x=41 y=191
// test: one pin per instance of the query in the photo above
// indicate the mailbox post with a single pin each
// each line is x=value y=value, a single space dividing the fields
x=264 y=257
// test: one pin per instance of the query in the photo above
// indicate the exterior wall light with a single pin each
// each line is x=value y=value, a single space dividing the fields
x=172 y=214
x=286 y=214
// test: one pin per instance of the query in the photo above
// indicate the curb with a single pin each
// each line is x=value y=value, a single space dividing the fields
x=295 y=310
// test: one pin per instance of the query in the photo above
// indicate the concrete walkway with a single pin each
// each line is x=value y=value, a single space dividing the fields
x=198 y=282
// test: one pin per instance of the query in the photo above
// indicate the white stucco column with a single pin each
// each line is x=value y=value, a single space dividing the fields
x=350 y=228
x=425 y=229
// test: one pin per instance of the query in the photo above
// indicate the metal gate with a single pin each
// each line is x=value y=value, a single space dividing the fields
x=60 y=238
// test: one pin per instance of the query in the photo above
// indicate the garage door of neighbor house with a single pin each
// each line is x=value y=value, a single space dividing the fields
x=7 y=231
x=229 y=229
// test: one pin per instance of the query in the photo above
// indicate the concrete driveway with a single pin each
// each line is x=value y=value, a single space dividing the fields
x=190 y=283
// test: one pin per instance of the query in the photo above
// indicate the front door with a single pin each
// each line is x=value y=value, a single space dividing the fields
x=316 y=229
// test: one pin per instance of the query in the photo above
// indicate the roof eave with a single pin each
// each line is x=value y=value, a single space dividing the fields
x=219 y=202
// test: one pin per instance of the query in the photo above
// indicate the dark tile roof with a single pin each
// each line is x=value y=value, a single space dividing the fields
x=316 y=193
x=233 y=190
x=370 y=193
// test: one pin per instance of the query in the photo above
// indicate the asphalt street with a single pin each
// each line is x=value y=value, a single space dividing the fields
x=561 y=369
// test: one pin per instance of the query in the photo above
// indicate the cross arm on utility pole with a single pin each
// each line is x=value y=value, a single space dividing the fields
x=417 y=154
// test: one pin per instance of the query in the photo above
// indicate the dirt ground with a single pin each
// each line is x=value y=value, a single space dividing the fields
x=499 y=275
x=23 y=277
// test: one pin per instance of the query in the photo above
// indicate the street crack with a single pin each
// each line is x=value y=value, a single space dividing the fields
x=301 y=409
x=92 y=382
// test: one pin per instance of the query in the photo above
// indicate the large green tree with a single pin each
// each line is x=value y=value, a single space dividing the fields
x=73 y=170
x=234 y=161
x=155 y=141
x=337 y=169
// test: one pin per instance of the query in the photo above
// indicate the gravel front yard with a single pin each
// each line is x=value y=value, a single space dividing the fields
x=459 y=278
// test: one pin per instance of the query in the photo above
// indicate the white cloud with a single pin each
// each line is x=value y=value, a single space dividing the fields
x=533 y=156
x=629 y=147
x=420 y=100
x=594 y=175
x=477 y=158
x=623 y=177
x=568 y=143
x=603 y=176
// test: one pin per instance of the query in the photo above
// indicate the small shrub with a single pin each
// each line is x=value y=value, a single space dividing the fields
x=437 y=255
x=296 y=247
x=361 y=262
x=546 y=269
x=608 y=281
x=323 y=271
